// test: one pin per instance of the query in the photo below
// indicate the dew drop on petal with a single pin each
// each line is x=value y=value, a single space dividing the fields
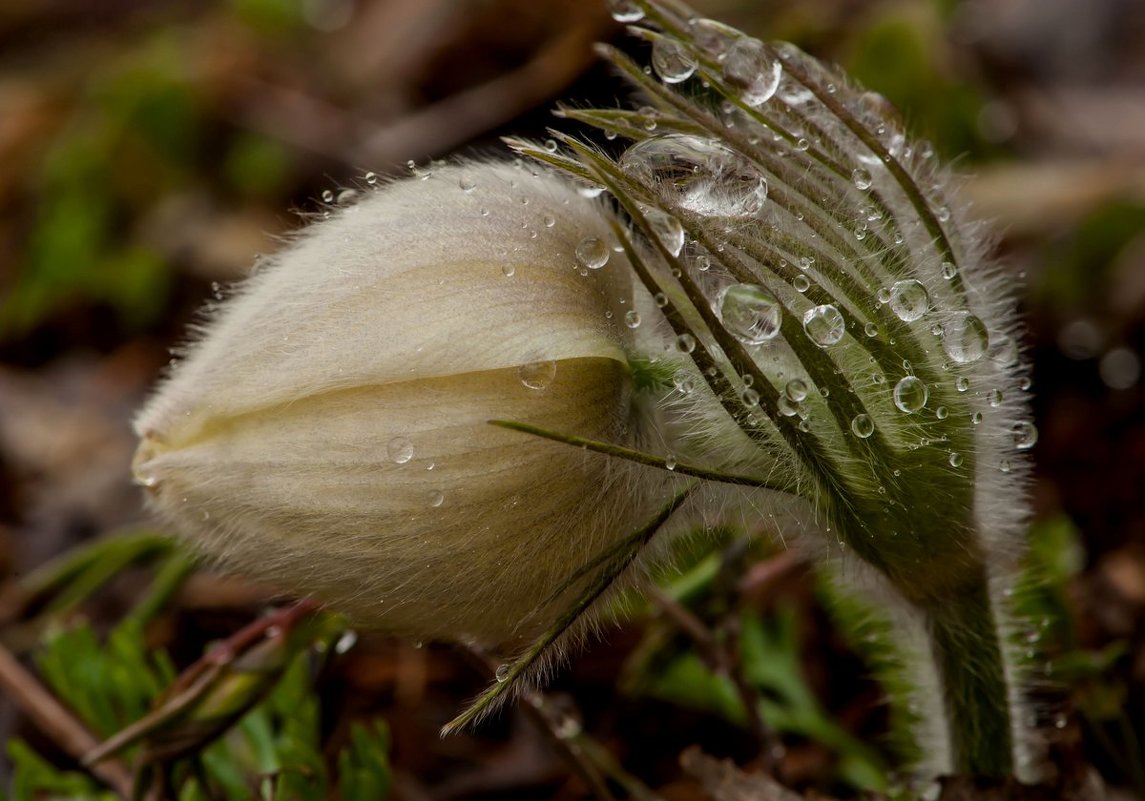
x=750 y=68
x=667 y=229
x=801 y=283
x=672 y=61
x=909 y=300
x=750 y=312
x=697 y=174
x=824 y=325
x=537 y=375
x=592 y=253
x=862 y=426
x=1025 y=435
x=400 y=450
x=911 y=394
x=796 y=389
x=965 y=338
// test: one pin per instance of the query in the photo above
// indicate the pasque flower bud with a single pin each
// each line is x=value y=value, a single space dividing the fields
x=329 y=431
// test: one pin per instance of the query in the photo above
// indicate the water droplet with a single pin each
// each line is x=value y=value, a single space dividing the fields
x=750 y=398
x=949 y=270
x=955 y=459
x=750 y=312
x=703 y=262
x=911 y=394
x=632 y=318
x=962 y=383
x=697 y=174
x=592 y=253
x=1025 y=436
x=796 y=389
x=824 y=325
x=667 y=229
x=749 y=67
x=625 y=10
x=802 y=144
x=1004 y=465
x=1026 y=383
x=400 y=450
x=862 y=426
x=976 y=418
x=683 y=382
x=501 y=674
x=861 y=178
x=508 y=270
x=941 y=413
x=549 y=220
x=327 y=196
x=436 y=498
x=685 y=343
x=371 y=178
x=995 y=398
x=346 y=195
x=801 y=283
x=670 y=462
x=660 y=299
x=672 y=61
x=965 y=338
x=909 y=300
x=537 y=375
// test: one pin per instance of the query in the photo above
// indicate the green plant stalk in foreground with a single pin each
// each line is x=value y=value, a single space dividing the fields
x=778 y=317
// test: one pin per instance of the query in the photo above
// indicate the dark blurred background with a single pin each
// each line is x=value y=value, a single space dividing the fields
x=150 y=150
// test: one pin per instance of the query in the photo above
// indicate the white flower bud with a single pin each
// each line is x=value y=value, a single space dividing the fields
x=329 y=432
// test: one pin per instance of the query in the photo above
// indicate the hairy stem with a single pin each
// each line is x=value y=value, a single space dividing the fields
x=968 y=651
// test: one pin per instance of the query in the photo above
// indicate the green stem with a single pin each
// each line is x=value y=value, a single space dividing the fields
x=967 y=648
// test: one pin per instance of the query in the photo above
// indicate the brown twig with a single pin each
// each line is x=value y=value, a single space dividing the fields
x=57 y=722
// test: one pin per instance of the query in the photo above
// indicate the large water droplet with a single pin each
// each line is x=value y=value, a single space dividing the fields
x=749 y=67
x=824 y=325
x=537 y=375
x=1025 y=436
x=965 y=338
x=400 y=450
x=667 y=229
x=909 y=300
x=911 y=394
x=672 y=61
x=862 y=426
x=592 y=253
x=861 y=178
x=751 y=313
x=697 y=174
